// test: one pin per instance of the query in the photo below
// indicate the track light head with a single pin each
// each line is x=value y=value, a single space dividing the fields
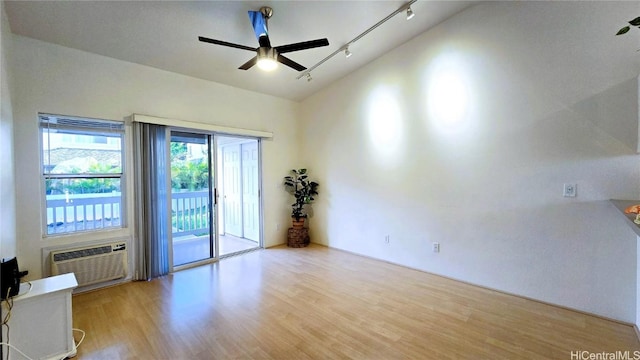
x=347 y=53
x=309 y=78
x=410 y=13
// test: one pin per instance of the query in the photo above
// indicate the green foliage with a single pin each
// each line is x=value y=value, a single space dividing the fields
x=302 y=190
x=178 y=151
x=86 y=186
x=635 y=22
x=190 y=175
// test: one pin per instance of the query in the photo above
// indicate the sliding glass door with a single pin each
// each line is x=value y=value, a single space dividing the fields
x=192 y=198
x=215 y=196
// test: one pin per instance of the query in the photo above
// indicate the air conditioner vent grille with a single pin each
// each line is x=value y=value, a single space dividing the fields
x=81 y=253
x=92 y=265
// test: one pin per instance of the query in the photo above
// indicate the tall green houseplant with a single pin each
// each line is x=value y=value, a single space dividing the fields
x=302 y=189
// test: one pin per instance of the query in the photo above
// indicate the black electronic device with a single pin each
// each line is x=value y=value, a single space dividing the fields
x=10 y=276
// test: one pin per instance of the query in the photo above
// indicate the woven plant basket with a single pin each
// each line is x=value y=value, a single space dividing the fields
x=298 y=237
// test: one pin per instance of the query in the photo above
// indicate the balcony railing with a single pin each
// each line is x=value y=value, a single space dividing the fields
x=190 y=213
x=80 y=212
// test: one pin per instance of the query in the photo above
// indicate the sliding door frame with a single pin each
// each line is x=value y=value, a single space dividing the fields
x=214 y=184
x=213 y=226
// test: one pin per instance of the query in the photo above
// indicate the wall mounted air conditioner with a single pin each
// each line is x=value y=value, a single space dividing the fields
x=92 y=265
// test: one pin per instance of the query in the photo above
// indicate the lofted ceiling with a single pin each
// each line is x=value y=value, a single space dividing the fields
x=164 y=35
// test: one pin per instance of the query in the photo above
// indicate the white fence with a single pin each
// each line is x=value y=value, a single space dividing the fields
x=78 y=212
x=190 y=212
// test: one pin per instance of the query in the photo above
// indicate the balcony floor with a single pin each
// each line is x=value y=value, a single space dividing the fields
x=192 y=248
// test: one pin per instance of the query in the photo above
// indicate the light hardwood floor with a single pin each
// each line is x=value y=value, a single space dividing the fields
x=320 y=303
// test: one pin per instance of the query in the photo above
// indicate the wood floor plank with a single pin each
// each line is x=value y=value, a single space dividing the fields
x=321 y=303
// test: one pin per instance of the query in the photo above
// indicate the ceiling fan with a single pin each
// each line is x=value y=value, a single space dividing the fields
x=268 y=57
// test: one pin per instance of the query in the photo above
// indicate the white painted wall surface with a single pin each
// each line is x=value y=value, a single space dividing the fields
x=59 y=80
x=7 y=179
x=465 y=136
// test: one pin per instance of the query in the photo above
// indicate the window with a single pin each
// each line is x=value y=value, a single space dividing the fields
x=82 y=169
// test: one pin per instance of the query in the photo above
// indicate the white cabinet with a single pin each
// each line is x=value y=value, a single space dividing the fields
x=41 y=319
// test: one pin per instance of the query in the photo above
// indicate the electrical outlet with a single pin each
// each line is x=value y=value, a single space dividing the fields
x=277 y=227
x=387 y=239
x=570 y=190
x=436 y=247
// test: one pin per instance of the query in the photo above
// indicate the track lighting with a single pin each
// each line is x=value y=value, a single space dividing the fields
x=410 y=13
x=405 y=7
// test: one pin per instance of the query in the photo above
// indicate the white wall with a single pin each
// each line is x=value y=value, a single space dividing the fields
x=7 y=180
x=465 y=136
x=59 y=80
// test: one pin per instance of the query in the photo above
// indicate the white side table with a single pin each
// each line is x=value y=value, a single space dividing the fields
x=41 y=323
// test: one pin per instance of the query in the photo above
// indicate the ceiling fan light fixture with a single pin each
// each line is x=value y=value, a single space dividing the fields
x=410 y=13
x=267 y=59
x=267 y=64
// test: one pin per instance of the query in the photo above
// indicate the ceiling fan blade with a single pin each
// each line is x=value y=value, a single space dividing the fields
x=302 y=45
x=224 y=43
x=249 y=64
x=290 y=63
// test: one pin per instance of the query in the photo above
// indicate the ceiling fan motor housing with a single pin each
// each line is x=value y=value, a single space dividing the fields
x=266 y=52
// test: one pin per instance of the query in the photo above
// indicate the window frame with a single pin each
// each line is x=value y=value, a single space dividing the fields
x=88 y=127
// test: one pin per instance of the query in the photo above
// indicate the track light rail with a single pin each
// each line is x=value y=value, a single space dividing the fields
x=307 y=73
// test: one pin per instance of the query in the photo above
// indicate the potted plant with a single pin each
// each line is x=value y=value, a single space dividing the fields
x=303 y=191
